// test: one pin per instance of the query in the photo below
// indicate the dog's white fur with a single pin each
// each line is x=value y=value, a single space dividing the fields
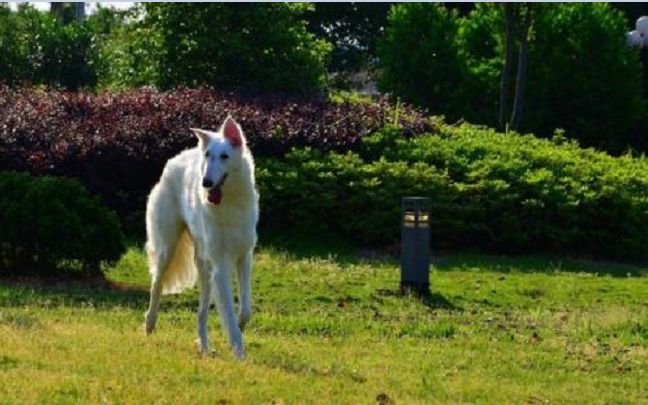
x=192 y=239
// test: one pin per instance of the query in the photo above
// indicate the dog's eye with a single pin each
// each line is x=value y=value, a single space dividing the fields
x=224 y=156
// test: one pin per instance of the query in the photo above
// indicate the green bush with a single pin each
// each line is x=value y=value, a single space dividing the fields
x=50 y=222
x=500 y=193
x=262 y=46
x=420 y=58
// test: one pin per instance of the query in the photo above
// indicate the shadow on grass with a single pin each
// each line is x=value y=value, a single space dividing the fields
x=323 y=246
x=535 y=264
x=95 y=294
x=99 y=292
x=430 y=299
x=436 y=301
x=50 y=293
x=345 y=253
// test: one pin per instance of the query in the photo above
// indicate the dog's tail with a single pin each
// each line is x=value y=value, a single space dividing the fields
x=181 y=271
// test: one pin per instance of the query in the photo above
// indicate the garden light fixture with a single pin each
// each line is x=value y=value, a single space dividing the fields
x=415 y=244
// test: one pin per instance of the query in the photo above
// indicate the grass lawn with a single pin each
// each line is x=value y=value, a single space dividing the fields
x=333 y=329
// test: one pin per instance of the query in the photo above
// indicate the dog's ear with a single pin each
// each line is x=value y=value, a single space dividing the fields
x=231 y=130
x=202 y=135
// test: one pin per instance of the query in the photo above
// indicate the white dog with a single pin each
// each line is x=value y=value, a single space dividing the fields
x=201 y=222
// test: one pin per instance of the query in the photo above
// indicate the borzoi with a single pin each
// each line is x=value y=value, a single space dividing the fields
x=201 y=222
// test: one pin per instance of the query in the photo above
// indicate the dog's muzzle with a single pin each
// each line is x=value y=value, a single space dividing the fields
x=215 y=193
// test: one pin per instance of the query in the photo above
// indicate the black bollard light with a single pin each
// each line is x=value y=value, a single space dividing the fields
x=415 y=245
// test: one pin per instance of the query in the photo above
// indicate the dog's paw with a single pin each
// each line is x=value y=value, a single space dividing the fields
x=205 y=349
x=239 y=354
x=149 y=324
x=209 y=352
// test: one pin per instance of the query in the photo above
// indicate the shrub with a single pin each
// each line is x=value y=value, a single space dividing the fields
x=419 y=57
x=49 y=222
x=230 y=46
x=500 y=193
x=360 y=200
x=117 y=144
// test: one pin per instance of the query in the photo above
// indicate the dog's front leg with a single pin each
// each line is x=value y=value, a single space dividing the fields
x=225 y=303
x=244 y=273
x=204 y=282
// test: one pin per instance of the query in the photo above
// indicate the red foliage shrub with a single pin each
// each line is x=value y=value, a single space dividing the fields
x=116 y=144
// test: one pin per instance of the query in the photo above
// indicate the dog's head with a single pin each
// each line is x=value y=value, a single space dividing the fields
x=222 y=153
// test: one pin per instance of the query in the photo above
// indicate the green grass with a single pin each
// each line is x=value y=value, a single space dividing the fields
x=334 y=329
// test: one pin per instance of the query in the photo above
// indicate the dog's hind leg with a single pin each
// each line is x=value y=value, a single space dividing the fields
x=244 y=272
x=161 y=260
x=205 y=287
x=225 y=303
x=163 y=236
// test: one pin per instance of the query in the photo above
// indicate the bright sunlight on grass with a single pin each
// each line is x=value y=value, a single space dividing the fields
x=335 y=330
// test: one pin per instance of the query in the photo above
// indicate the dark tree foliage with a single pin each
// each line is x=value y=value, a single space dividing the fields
x=632 y=11
x=420 y=59
x=354 y=30
x=244 y=46
x=41 y=48
x=581 y=77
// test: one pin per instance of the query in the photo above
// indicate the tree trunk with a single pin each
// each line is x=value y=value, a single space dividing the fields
x=79 y=10
x=525 y=17
x=505 y=82
x=57 y=9
x=518 y=102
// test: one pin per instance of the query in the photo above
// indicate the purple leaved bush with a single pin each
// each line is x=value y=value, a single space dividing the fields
x=117 y=143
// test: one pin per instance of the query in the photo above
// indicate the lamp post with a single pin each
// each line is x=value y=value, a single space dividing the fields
x=415 y=244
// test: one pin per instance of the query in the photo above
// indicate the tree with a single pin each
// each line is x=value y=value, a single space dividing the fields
x=581 y=76
x=518 y=20
x=245 y=46
x=68 y=12
x=352 y=28
x=420 y=58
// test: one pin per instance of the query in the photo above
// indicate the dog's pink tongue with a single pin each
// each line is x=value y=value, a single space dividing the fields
x=215 y=195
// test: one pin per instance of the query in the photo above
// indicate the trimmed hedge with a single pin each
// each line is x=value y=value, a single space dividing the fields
x=117 y=144
x=501 y=193
x=48 y=222
x=496 y=192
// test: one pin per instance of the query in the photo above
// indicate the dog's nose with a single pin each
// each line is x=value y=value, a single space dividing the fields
x=208 y=183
